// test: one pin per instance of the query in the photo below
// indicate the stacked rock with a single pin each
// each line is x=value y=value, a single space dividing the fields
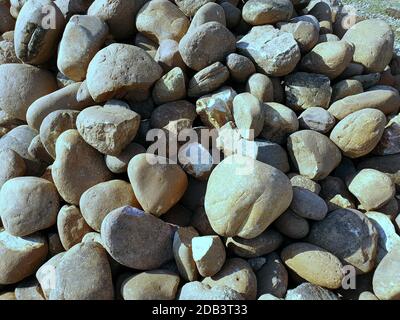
x=198 y=150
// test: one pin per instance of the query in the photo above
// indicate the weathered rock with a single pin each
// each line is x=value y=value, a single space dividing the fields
x=21 y=85
x=359 y=133
x=54 y=125
x=7 y=22
x=261 y=86
x=328 y=58
x=200 y=291
x=387 y=236
x=298 y=180
x=160 y=20
x=77 y=168
x=108 y=129
x=313 y=264
x=306 y=90
x=36 y=36
x=208 y=254
x=190 y=7
x=98 y=201
x=200 y=221
x=163 y=187
x=253 y=182
x=317 y=119
x=7 y=52
x=182 y=248
x=346 y=88
x=308 y=205
x=216 y=110
x=171 y=87
x=119 y=164
x=335 y=193
x=389 y=143
x=372 y=50
x=168 y=55
x=176 y=111
x=265 y=243
x=248 y=115
x=272 y=278
x=71 y=226
x=240 y=67
x=118 y=81
x=137 y=239
x=11 y=166
x=62 y=99
x=178 y=215
x=259 y=12
x=274 y=52
x=372 y=188
x=280 y=121
x=208 y=79
x=19 y=140
x=29 y=290
x=308 y=291
x=267 y=152
x=20 y=257
x=37 y=151
x=118 y=14
x=237 y=275
x=83 y=273
x=209 y=12
x=350 y=236
x=198 y=160
x=82 y=39
x=304 y=30
x=366 y=295
x=233 y=15
x=292 y=225
x=386 y=101
x=211 y=42
x=368 y=80
x=151 y=285
x=27 y=205
x=325 y=155
x=55 y=245
x=386 y=280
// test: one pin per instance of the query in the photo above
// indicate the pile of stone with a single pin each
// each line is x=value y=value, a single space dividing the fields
x=296 y=196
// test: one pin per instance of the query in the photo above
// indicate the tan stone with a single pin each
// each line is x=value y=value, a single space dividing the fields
x=71 y=226
x=118 y=81
x=77 y=167
x=160 y=20
x=20 y=257
x=359 y=133
x=151 y=285
x=21 y=85
x=372 y=188
x=237 y=275
x=98 y=201
x=108 y=129
x=82 y=38
x=313 y=264
x=158 y=185
x=208 y=254
x=257 y=185
x=328 y=58
x=325 y=155
x=387 y=101
x=182 y=248
x=27 y=205
x=83 y=273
